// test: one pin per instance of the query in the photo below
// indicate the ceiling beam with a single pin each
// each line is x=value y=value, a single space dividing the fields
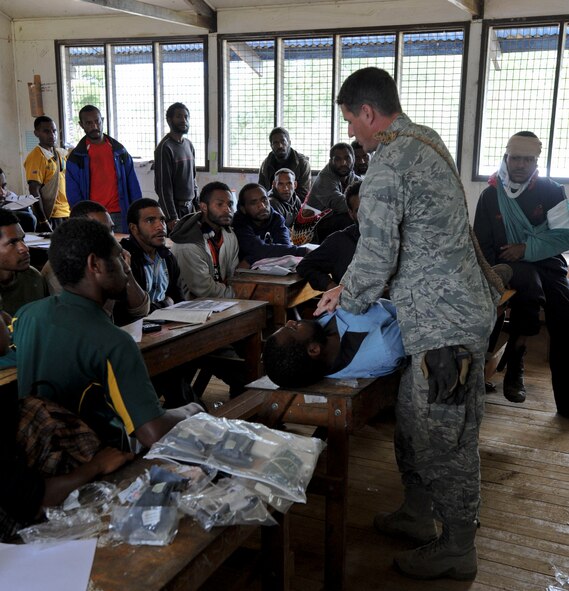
x=157 y=12
x=474 y=7
x=202 y=8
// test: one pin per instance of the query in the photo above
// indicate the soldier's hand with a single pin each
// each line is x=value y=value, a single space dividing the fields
x=446 y=370
x=329 y=301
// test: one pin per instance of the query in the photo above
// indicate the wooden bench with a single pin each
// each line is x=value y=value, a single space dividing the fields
x=339 y=408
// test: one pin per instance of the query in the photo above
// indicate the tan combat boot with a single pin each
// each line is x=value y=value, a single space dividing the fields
x=452 y=555
x=413 y=520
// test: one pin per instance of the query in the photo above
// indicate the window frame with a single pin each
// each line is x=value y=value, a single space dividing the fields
x=487 y=25
x=159 y=109
x=336 y=34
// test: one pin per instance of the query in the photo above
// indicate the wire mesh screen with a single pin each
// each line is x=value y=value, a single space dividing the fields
x=431 y=77
x=249 y=97
x=364 y=51
x=520 y=81
x=560 y=151
x=307 y=100
x=183 y=80
x=83 y=84
x=133 y=104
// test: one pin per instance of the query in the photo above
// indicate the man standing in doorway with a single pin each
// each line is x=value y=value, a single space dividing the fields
x=100 y=169
x=175 y=167
x=415 y=237
x=283 y=156
x=45 y=173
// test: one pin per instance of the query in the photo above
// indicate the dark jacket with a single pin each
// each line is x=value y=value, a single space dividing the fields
x=331 y=258
x=535 y=202
x=272 y=239
x=137 y=266
x=77 y=182
x=288 y=209
x=296 y=162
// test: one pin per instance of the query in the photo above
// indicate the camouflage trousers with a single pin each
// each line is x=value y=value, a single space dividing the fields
x=436 y=445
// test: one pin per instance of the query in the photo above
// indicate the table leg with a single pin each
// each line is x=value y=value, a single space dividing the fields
x=336 y=495
x=253 y=349
x=275 y=554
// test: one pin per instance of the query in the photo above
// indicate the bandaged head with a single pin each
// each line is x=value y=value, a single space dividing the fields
x=522 y=145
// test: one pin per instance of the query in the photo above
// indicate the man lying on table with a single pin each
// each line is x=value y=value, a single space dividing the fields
x=337 y=345
x=69 y=351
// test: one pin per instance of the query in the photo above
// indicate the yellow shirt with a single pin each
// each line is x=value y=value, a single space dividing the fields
x=40 y=166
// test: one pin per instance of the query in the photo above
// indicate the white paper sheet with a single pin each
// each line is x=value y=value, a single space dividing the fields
x=61 y=566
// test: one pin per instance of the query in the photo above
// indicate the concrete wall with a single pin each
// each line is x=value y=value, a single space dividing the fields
x=10 y=156
x=35 y=53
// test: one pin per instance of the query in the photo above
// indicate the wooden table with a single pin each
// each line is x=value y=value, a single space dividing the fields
x=281 y=292
x=340 y=409
x=191 y=558
x=175 y=345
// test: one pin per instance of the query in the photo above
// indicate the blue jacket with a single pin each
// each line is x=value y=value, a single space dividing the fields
x=381 y=352
x=77 y=177
x=271 y=239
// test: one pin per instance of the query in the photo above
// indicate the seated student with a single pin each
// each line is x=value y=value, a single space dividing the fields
x=205 y=247
x=283 y=197
x=337 y=345
x=153 y=265
x=69 y=351
x=134 y=303
x=325 y=266
x=329 y=187
x=260 y=230
x=20 y=283
x=25 y=216
x=282 y=155
x=155 y=268
x=361 y=163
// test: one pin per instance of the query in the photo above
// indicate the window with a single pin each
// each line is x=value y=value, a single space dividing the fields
x=133 y=85
x=292 y=81
x=526 y=87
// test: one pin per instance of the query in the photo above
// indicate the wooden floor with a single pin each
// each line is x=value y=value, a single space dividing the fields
x=525 y=500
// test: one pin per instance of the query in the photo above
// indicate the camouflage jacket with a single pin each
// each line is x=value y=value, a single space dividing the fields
x=415 y=238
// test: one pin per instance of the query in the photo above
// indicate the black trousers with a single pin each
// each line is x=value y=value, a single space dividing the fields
x=544 y=284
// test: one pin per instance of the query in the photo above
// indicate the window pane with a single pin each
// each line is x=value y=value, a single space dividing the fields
x=250 y=102
x=364 y=51
x=519 y=89
x=431 y=75
x=133 y=104
x=183 y=81
x=83 y=84
x=560 y=156
x=308 y=100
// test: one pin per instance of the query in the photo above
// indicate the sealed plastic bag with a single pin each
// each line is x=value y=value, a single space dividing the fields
x=227 y=502
x=282 y=461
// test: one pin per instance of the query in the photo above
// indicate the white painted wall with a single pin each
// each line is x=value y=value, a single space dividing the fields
x=10 y=156
x=35 y=53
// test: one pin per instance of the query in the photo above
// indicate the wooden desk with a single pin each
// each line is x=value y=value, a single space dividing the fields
x=281 y=292
x=172 y=347
x=343 y=409
x=193 y=556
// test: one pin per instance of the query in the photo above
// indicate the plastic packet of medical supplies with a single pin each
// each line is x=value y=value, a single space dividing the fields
x=558 y=216
x=266 y=494
x=94 y=495
x=284 y=462
x=227 y=502
x=152 y=519
x=74 y=525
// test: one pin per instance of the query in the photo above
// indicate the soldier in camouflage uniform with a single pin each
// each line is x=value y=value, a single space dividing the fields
x=415 y=237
